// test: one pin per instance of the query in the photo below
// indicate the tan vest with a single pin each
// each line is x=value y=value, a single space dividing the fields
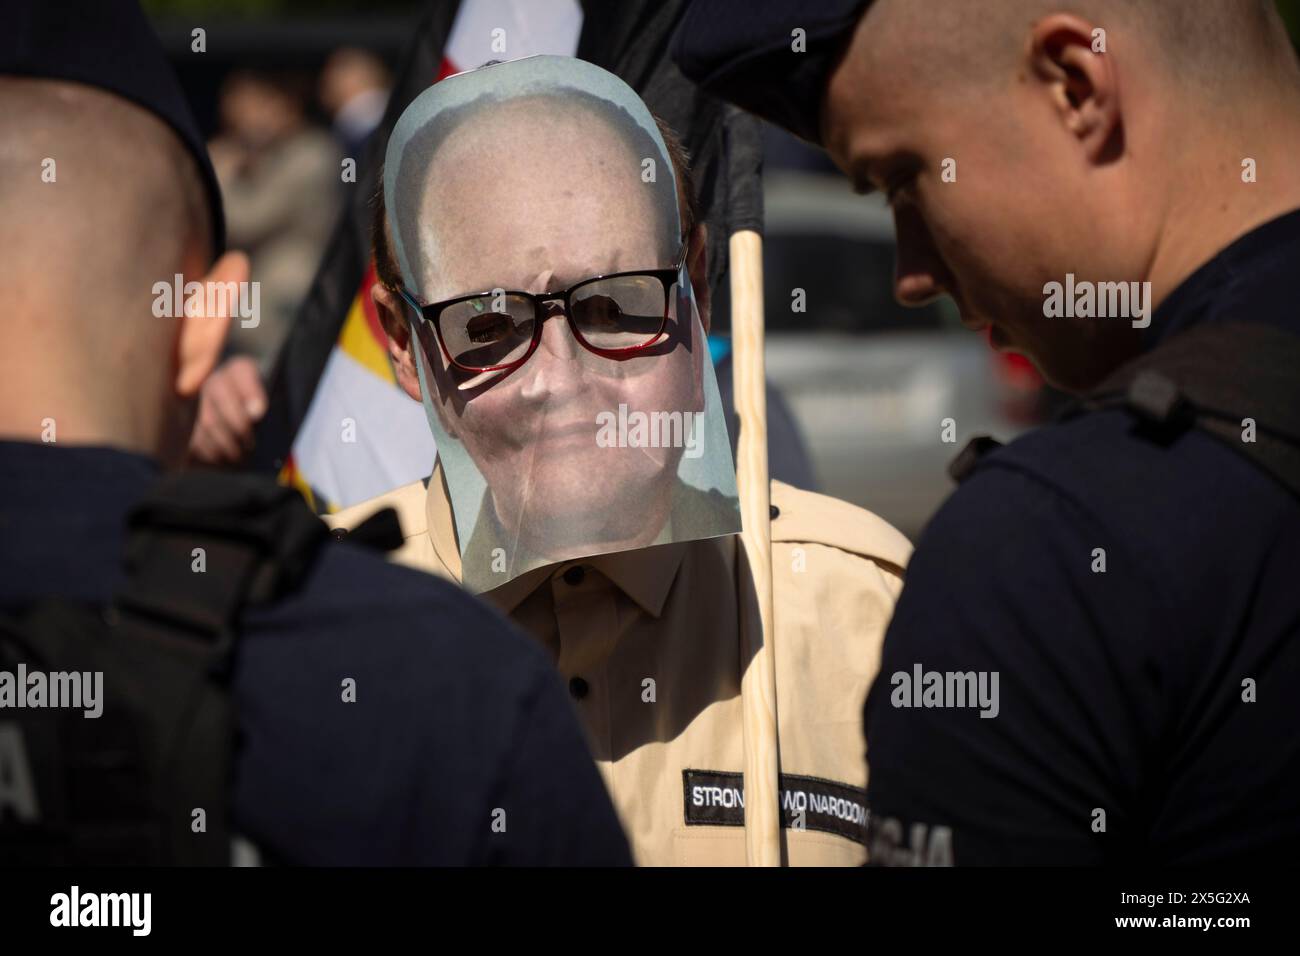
x=648 y=642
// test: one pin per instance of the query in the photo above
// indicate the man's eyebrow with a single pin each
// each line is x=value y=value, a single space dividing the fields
x=563 y=277
x=571 y=274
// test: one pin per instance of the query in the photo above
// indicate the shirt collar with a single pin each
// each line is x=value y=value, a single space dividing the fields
x=441 y=523
x=1251 y=279
x=645 y=575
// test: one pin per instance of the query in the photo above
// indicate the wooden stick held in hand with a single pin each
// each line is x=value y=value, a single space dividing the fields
x=758 y=682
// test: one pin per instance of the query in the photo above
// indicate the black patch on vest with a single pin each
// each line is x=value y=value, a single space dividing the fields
x=715 y=798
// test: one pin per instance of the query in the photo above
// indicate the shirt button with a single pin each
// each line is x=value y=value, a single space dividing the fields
x=339 y=533
x=577 y=687
x=574 y=575
x=773 y=512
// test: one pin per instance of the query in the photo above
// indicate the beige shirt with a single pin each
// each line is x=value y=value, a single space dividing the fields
x=649 y=643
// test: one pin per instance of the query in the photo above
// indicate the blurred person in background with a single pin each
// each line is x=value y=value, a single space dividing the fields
x=353 y=89
x=280 y=178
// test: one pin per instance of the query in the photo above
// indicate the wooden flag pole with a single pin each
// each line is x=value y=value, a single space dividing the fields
x=758 y=682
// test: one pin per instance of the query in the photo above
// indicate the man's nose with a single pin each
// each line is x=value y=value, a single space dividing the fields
x=555 y=368
x=919 y=273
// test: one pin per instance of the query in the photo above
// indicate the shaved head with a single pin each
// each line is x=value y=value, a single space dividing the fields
x=101 y=201
x=125 y=202
x=1211 y=44
x=1024 y=142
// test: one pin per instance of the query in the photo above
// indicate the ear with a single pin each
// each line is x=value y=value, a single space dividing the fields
x=1082 y=84
x=697 y=264
x=391 y=308
x=202 y=335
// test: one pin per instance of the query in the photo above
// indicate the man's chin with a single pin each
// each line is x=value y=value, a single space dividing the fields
x=568 y=516
x=1074 y=367
x=1066 y=377
x=557 y=541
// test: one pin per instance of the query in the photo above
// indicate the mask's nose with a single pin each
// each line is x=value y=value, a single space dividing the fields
x=554 y=371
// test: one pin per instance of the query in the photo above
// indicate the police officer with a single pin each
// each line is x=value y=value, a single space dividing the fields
x=1097 y=652
x=457 y=744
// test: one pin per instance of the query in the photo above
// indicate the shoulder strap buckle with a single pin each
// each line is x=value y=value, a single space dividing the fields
x=1157 y=400
x=961 y=467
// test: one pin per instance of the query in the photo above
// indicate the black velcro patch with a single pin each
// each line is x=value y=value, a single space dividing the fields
x=717 y=799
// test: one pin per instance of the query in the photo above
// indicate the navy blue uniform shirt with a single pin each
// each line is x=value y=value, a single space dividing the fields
x=456 y=715
x=1123 y=727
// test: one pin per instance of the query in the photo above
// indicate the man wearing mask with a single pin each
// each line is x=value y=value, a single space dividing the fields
x=543 y=289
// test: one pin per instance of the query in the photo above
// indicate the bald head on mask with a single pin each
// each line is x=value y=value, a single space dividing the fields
x=502 y=198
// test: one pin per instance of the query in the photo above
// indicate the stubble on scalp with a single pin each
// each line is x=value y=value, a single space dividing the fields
x=1209 y=47
x=126 y=202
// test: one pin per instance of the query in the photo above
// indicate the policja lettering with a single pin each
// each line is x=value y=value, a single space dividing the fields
x=58 y=689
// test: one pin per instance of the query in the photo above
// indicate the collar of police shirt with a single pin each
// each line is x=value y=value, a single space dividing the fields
x=637 y=636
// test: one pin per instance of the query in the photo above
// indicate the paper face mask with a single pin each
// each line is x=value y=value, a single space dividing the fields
x=562 y=360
